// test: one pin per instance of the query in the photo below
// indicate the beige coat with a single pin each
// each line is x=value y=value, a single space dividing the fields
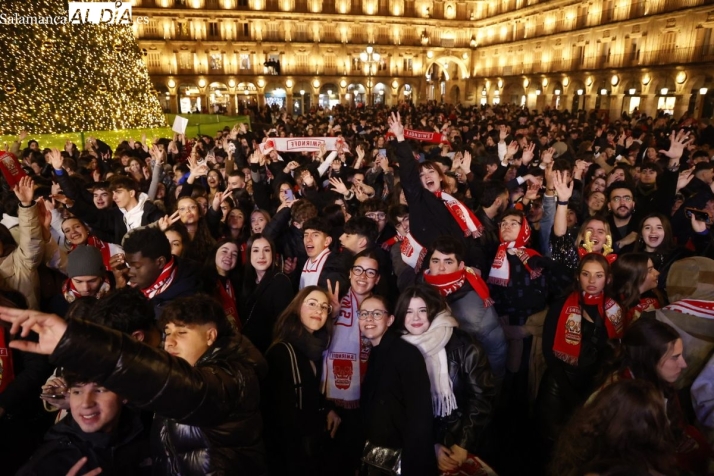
x=18 y=269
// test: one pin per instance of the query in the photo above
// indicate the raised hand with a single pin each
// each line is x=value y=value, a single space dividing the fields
x=289 y=265
x=528 y=154
x=74 y=470
x=466 y=163
x=333 y=295
x=24 y=191
x=677 y=143
x=512 y=149
x=49 y=327
x=684 y=178
x=547 y=156
x=56 y=159
x=395 y=126
x=562 y=188
x=338 y=186
x=166 y=221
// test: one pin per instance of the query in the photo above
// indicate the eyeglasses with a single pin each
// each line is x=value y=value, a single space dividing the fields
x=371 y=273
x=508 y=224
x=618 y=199
x=379 y=216
x=316 y=306
x=377 y=314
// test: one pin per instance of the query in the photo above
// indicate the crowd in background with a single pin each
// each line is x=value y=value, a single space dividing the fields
x=449 y=289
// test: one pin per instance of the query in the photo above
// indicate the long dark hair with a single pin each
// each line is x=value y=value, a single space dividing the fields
x=210 y=272
x=289 y=327
x=668 y=241
x=629 y=271
x=600 y=259
x=644 y=344
x=435 y=304
x=625 y=423
x=249 y=275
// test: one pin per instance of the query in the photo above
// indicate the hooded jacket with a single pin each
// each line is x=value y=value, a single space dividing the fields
x=207 y=416
x=121 y=452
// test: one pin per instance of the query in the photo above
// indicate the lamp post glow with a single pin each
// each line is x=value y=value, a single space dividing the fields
x=370 y=58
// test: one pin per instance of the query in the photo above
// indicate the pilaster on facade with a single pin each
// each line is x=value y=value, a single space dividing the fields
x=611 y=55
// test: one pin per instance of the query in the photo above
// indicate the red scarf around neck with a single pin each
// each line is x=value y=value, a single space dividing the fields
x=226 y=295
x=7 y=371
x=164 y=280
x=568 y=334
x=500 y=273
x=452 y=282
x=70 y=293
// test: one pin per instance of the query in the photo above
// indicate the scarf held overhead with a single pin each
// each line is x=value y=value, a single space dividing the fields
x=568 y=334
x=409 y=248
x=431 y=344
x=451 y=282
x=302 y=144
x=500 y=274
x=423 y=136
x=466 y=219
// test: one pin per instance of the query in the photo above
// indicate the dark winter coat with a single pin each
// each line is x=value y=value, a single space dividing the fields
x=124 y=451
x=474 y=388
x=259 y=309
x=396 y=404
x=207 y=416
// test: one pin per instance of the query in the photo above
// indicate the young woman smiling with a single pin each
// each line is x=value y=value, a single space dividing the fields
x=265 y=293
x=575 y=343
x=297 y=422
x=462 y=385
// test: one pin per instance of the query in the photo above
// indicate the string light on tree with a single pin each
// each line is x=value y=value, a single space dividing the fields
x=69 y=78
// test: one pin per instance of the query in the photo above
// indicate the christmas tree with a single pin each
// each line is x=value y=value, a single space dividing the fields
x=62 y=77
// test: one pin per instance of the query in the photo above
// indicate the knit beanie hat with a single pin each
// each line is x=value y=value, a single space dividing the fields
x=85 y=261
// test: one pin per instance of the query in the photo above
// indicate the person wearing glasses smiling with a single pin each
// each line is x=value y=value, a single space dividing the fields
x=348 y=353
x=298 y=419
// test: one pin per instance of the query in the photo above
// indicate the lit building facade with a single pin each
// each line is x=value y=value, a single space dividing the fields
x=610 y=55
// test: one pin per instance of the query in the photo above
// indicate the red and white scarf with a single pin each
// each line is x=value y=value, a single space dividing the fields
x=451 y=282
x=466 y=219
x=695 y=307
x=226 y=295
x=346 y=358
x=70 y=292
x=312 y=269
x=500 y=273
x=568 y=334
x=645 y=304
x=163 y=281
x=423 y=136
x=7 y=371
x=411 y=251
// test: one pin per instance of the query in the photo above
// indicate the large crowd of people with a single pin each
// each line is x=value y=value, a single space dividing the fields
x=438 y=290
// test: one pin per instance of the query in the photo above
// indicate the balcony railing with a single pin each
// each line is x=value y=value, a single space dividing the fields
x=693 y=54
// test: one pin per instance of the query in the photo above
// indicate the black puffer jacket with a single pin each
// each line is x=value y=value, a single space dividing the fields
x=474 y=390
x=207 y=417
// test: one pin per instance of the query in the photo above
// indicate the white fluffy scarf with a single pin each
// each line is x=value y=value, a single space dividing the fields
x=431 y=344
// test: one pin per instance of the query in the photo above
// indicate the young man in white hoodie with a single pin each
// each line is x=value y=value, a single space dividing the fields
x=133 y=209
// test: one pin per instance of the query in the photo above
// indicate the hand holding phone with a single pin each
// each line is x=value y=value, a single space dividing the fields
x=699 y=215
